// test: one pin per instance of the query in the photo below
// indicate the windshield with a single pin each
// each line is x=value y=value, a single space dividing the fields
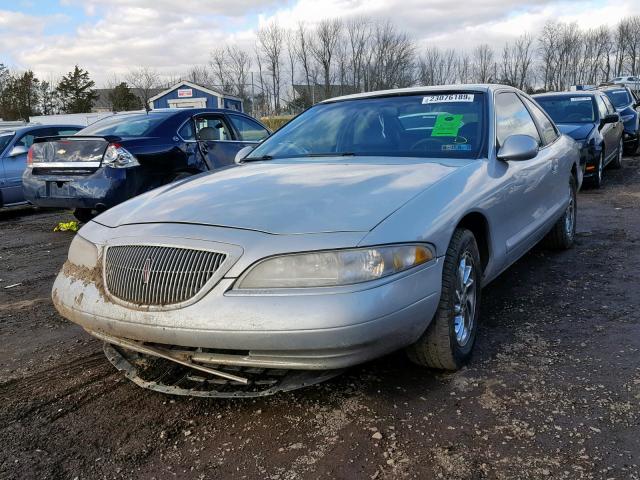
x=565 y=109
x=125 y=125
x=5 y=138
x=619 y=98
x=428 y=125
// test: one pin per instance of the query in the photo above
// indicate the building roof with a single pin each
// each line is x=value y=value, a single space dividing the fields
x=210 y=90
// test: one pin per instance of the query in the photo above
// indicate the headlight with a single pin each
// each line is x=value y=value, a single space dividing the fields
x=83 y=253
x=626 y=118
x=334 y=268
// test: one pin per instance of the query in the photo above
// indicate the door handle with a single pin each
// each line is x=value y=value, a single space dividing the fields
x=554 y=165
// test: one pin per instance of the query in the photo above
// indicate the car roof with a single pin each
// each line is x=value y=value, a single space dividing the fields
x=577 y=93
x=479 y=87
x=604 y=88
x=186 y=110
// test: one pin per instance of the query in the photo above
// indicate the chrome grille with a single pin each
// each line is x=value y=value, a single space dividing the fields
x=154 y=275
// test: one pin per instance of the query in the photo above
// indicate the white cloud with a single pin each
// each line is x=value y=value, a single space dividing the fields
x=172 y=35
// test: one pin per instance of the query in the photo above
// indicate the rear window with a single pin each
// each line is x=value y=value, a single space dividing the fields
x=125 y=125
x=448 y=125
x=619 y=98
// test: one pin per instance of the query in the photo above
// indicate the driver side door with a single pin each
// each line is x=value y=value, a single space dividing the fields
x=528 y=185
x=217 y=141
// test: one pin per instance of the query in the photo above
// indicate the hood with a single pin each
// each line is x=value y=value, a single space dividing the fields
x=287 y=197
x=577 y=131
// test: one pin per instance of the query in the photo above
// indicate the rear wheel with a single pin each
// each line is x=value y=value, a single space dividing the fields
x=83 y=214
x=617 y=162
x=563 y=232
x=448 y=341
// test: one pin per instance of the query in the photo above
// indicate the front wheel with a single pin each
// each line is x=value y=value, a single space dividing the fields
x=563 y=232
x=448 y=341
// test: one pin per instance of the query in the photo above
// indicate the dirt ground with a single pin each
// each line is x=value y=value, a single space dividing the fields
x=553 y=390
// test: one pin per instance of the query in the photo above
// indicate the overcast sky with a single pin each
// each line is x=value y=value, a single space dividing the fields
x=110 y=36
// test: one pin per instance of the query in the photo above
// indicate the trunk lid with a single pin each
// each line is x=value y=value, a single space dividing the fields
x=69 y=152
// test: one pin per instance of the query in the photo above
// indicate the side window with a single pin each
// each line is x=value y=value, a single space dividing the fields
x=609 y=106
x=512 y=118
x=602 y=107
x=548 y=131
x=249 y=130
x=212 y=128
x=187 y=132
x=26 y=140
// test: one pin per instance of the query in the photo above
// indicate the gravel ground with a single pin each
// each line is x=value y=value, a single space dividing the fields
x=553 y=390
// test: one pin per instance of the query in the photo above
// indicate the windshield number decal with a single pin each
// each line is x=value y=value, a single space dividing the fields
x=580 y=99
x=448 y=98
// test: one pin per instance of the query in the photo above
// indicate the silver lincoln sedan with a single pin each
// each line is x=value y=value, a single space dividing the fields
x=367 y=224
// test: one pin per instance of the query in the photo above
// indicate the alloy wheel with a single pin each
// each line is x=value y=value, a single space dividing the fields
x=465 y=301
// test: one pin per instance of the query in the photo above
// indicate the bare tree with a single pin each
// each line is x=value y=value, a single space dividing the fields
x=145 y=81
x=437 y=67
x=323 y=48
x=483 y=65
x=302 y=52
x=358 y=31
x=391 y=59
x=270 y=45
x=200 y=75
x=517 y=58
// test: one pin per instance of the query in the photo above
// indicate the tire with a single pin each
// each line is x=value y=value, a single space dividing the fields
x=617 y=162
x=84 y=215
x=563 y=232
x=448 y=341
x=597 y=181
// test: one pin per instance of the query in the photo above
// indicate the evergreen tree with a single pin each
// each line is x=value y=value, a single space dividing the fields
x=123 y=99
x=19 y=96
x=76 y=92
x=48 y=99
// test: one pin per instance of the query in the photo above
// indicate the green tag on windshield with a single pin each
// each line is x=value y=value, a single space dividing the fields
x=447 y=125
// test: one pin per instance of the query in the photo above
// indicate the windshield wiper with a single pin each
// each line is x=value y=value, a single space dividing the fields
x=343 y=154
x=257 y=159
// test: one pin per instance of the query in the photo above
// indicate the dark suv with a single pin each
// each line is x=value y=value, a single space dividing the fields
x=122 y=156
x=626 y=105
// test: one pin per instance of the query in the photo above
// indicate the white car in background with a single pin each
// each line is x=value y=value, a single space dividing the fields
x=632 y=82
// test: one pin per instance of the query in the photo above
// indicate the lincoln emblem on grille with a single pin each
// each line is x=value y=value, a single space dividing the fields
x=146 y=271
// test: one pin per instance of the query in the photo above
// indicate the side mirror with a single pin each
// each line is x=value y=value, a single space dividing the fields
x=518 y=147
x=611 y=118
x=18 y=150
x=243 y=152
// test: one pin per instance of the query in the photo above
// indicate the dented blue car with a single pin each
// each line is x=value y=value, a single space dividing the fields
x=125 y=155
